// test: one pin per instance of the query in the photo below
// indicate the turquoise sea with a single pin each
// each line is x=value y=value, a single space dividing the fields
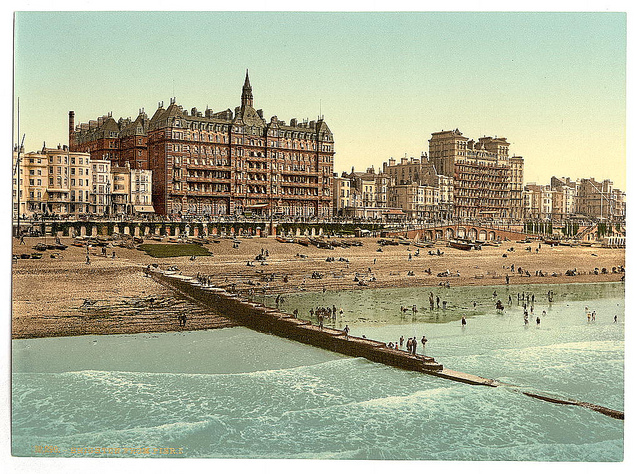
x=235 y=393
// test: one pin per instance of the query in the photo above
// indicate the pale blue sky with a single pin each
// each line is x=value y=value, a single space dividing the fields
x=553 y=84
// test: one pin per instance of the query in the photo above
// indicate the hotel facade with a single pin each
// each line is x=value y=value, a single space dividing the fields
x=487 y=183
x=220 y=163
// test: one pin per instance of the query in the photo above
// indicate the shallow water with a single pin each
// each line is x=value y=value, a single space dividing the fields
x=237 y=393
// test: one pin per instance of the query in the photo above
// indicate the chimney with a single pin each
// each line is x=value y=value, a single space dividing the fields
x=72 y=117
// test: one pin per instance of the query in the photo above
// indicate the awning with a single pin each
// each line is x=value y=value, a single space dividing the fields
x=397 y=212
x=257 y=206
x=144 y=208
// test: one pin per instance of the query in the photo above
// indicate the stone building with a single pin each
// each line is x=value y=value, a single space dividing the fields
x=600 y=200
x=564 y=198
x=131 y=191
x=421 y=192
x=220 y=163
x=342 y=197
x=101 y=187
x=483 y=174
x=58 y=181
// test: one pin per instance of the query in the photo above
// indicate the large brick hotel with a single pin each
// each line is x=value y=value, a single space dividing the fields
x=220 y=163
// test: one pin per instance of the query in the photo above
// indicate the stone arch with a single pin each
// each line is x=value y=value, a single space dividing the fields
x=482 y=234
x=429 y=234
x=439 y=234
x=473 y=234
x=449 y=233
x=461 y=233
x=492 y=235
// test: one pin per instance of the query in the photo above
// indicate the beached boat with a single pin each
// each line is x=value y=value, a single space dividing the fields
x=36 y=255
x=321 y=244
x=40 y=247
x=285 y=240
x=303 y=242
x=461 y=245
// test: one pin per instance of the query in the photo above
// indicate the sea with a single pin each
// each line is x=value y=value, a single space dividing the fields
x=237 y=393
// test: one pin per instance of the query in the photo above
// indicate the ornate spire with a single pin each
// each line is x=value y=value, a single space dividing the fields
x=247 y=94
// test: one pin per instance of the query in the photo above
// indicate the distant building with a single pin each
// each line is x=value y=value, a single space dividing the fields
x=600 y=200
x=368 y=194
x=484 y=177
x=418 y=190
x=58 y=181
x=101 y=182
x=538 y=200
x=341 y=195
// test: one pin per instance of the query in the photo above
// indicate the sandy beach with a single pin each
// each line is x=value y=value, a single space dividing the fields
x=66 y=296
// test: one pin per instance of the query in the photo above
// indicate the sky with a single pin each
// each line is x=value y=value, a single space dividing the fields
x=553 y=84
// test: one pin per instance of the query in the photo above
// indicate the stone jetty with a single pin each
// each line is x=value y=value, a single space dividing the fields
x=272 y=321
x=268 y=320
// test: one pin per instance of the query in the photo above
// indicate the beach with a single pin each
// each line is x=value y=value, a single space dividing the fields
x=66 y=296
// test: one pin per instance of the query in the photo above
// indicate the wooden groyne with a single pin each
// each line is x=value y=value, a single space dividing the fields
x=268 y=320
x=271 y=321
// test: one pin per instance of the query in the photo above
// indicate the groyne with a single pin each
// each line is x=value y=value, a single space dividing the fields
x=272 y=321
x=268 y=320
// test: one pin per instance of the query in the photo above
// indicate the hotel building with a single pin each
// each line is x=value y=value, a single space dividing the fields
x=220 y=163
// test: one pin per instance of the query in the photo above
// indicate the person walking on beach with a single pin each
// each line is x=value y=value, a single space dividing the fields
x=414 y=346
x=402 y=341
x=424 y=342
x=88 y=262
x=464 y=322
x=615 y=318
x=346 y=332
